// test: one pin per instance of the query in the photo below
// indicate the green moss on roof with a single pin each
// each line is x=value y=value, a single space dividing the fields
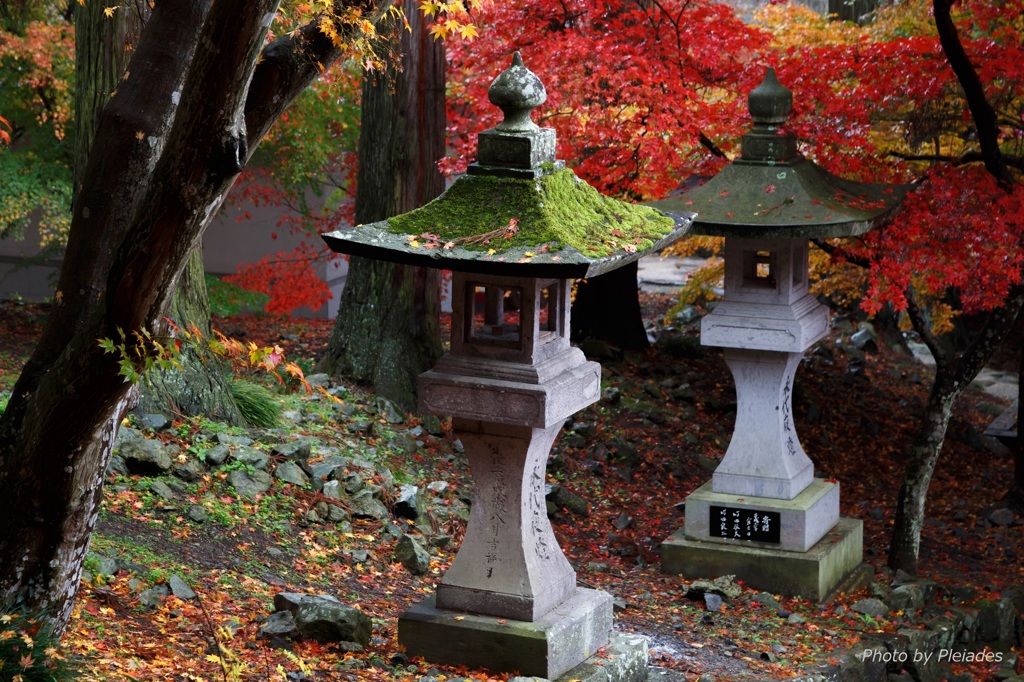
x=557 y=209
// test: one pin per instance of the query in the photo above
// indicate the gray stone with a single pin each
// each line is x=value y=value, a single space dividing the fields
x=563 y=498
x=712 y=601
x=161 y=489
x=290 y=472
x=116 y=465
x=217 y=455
x=437 y=487
x=796 y=619
x=875 y=608
x=232 y=440
x=295 y=450
x=391 y=413
x=192 y=470
x=318 y=379
x=332 y=490
x=906 y=597
x=145 y=457
x=995 y=621
x=407 y=506
x=767 y=600
x=105 y=566
x=197 y=514
x=337 y=515
x=1001 y=517
x=251 y=457
x=280 y=624
x=365 y=506
x=294 y=416
x=153 y=598
x=157 y=422
x=180 y=589
x=548 y=647
x=249 y=485
x=410 y=553
x=404 y=442
x=325 y=619
x=724 y=586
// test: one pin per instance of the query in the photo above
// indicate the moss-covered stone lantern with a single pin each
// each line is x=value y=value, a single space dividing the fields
x=514 y=230
x=764 y=516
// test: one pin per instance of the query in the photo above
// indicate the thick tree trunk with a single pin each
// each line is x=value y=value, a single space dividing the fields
x=202 y=385
x=608 y=308
x=387 y=331
x=169 y=145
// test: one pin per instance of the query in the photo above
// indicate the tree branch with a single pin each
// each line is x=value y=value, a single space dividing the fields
x=839 y=252
x=981 y=110
x=968 y=157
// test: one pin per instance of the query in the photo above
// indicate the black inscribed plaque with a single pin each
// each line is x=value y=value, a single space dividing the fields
x=745 y=524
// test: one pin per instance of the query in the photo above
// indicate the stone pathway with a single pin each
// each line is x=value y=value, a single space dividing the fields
x=994 y=382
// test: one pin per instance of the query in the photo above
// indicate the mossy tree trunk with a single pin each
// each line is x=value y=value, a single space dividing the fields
x=202 y=385
x=387 y=331
x=607 y=308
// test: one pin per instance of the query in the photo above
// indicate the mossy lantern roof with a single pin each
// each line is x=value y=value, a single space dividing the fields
x=517 y=211
x=772 y=191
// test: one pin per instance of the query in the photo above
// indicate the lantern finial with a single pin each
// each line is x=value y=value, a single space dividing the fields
x=517 y=91
x=770 y=102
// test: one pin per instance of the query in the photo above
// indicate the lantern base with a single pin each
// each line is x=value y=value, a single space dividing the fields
x=564 y=638
x=793 y=525
x=832 y=564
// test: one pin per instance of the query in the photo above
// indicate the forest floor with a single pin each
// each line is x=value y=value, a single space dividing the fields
x=633 y=459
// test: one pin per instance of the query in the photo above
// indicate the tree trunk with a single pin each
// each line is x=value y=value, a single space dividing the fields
x=202 y=385
x=387 y=331
x=607 y=308
x=168 y=147
x=953 y=373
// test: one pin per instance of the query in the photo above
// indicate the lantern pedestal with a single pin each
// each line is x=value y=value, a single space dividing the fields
x=830 y=566
x=509 y=601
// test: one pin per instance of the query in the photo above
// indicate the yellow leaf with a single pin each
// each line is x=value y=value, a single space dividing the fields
x=108 y=12
x=468 y=31
x=140 y=136
x=529 y=254
x=491 y=252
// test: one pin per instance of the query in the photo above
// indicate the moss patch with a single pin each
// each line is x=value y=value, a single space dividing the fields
x=557 y=209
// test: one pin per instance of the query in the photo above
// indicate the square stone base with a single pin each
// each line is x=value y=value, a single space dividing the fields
x=803 y=520
x=562 y=639
x=813 y=574
x=624 y=659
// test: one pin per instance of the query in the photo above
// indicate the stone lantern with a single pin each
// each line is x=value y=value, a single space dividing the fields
x=764 y=517
x=514 y=230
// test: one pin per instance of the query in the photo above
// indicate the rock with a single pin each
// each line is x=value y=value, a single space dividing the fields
x=249 y=485
x=437 y=487
x=280 y=624
x=404 y=442
x=622 y=521
x=767 y=600
x=875 y=608
x=116 y=465
x=410 y=553
x=156 y=422
x=612 y=395
x=180 y=589
x=297 y=450
x=712 y=601
x=407 y=506
x=332 y=490
x=337 y=515
x=145 y=457
x=995 y=621
x=153 y=598
x=191 y=471
x=391 y=413
x=323 y=618
x=233 y=441
x=161 y=489
x=724 y=586
x=197 y=514
x=250 y=456
x=217 y=455
x=291 y=472
x=906 y=597
x=105 y=566
x=365 y=506
x=294 y=416
x=1001 y=517
x=796 y=619
x=563 y=498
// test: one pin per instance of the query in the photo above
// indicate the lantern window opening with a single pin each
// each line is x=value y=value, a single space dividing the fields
x=493 y=315
x=549 y=313
x=759 y=269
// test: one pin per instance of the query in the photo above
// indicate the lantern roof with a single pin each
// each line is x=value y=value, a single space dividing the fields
x=518 y=211
x=772 y=191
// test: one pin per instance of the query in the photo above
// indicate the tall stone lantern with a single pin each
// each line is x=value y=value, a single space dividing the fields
x=514 y=230
x=764 y=517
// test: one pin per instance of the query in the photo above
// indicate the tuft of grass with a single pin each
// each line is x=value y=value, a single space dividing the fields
x=258 y=405
x=228 y=299
x=29 y=649
x=4 y=397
